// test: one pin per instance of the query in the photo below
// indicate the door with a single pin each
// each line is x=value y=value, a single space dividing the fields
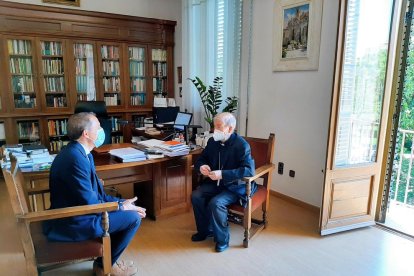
x=359 y=108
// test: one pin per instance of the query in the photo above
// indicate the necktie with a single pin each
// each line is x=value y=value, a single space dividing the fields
x=94 y=175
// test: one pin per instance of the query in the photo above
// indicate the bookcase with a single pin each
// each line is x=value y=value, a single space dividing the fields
x=137 y=76
x=110 y=68
x=84 y=71
x=53 y=57
x=159 y=72
x=53 y=80
x=22 y=73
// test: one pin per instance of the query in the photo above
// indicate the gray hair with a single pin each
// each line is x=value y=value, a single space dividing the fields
x=227 y=119
x=77 y=123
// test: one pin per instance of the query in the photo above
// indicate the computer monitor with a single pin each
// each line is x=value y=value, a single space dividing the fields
x=182 y=119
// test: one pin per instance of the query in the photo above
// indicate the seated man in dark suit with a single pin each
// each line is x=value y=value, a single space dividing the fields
x=73 y=182
x=224 y=162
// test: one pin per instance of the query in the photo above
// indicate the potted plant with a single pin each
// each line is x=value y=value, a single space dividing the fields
x=211 y=99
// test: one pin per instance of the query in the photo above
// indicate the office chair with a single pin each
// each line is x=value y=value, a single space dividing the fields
x=99 y=108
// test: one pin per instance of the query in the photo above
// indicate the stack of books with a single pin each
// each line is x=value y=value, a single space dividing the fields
x=166 y=148
x=174 y=148
x=128 y=154
x=28 y=156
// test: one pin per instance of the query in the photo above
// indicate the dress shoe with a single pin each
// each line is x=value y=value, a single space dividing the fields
x=200 y=237
x=121 y=269
x=220 y=247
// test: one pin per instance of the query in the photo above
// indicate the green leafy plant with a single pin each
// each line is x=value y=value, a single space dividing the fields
x=211 y=98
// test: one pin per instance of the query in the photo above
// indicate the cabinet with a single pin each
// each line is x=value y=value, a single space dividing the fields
x=50 y=64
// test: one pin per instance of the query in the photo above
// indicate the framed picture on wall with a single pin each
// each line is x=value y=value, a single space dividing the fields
x=64 y=2
x=296 y=34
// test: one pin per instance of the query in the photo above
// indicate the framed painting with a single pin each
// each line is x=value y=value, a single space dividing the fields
x=64 y=2
x=296 y=34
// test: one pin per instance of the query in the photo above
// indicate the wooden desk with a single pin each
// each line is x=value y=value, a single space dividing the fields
x=163 y=185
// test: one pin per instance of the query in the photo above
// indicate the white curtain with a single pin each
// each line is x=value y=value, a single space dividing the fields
x=211 y=48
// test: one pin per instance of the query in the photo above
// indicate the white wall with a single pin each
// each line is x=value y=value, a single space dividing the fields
x=160 y=9
x=293 y=105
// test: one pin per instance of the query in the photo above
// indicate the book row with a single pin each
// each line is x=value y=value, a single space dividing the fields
x=137 y=85
x=51 y=48
x=53 y=66
x=86 y=97
x=83 y=50
x=57 y=127
x=159 y=55
x=110 y=68
x=111 y=84
x=117 y=139
x=114 y=124
x=56 y=101
x=138 y=99
x=112 y=99
x=136 y=69
x=84 y=67
x=136 y=53
x=54 y=84
x=159 y=69
x=28 y=130
x=19 y=47
x=159 y=85
x=56 y=145
x=22 y=84
x=85 y=83
x=21 y=65
x=24 y=101
x=110 y=52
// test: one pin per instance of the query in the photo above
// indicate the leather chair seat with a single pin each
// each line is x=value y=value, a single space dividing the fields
x=257 y=199
x=49 y=252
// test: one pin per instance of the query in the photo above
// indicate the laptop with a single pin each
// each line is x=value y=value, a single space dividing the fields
x=182 y=119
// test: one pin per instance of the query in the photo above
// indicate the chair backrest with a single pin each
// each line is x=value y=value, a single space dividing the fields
x=262 y=149
x=16 y=187
x=99 y=108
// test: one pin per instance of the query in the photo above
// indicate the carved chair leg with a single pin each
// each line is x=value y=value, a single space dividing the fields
x=106 y=240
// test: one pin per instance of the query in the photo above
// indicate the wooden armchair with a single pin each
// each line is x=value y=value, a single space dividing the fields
x=41 y=254
x=262 y=152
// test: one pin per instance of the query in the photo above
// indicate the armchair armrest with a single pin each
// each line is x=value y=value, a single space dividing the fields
x=260 y=172
x=68 y=212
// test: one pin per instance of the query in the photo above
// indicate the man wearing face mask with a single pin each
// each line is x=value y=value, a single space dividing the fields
x=224 y=162
x=73 y=182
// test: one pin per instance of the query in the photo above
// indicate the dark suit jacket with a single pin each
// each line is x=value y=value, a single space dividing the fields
x=73 y=182
x=234 y=159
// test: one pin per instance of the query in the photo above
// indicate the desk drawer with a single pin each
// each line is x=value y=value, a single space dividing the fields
x=126 y=175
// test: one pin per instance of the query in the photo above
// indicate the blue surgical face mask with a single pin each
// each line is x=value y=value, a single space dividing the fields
x=100 y=139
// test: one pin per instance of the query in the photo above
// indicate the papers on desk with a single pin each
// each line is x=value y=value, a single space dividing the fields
x=128 y=154
x=168 y=148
